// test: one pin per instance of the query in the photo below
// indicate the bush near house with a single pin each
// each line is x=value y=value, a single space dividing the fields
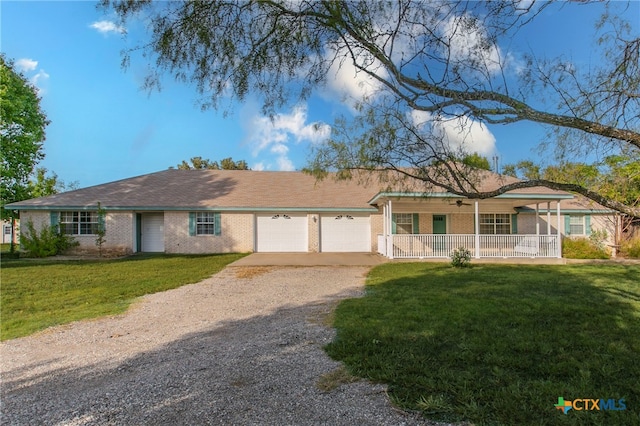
x=631 y=248
x=583 y=248
x=48 y=242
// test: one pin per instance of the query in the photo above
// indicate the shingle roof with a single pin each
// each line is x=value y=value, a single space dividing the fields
x=243 y=189
x=183 y=189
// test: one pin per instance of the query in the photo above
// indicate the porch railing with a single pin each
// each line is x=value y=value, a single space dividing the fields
x=416 y=246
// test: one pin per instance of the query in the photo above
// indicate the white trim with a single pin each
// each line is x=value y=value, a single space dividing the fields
x=477 y=229
x=558 y=230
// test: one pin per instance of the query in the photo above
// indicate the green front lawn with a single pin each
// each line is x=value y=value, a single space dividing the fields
x=37 y=294
x=496 y=344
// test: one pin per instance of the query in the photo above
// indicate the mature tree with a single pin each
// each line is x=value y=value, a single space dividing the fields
x=430 y=64
x=43 y=184
x=617 y=177
x=198 y=163
x=22 y=132
x=524 y=169
x=478 y=161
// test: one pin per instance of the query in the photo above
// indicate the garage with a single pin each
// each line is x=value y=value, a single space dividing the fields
x=345 y=233
x=282 y=232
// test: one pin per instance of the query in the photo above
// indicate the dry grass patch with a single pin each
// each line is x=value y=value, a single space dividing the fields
x=246 y=272
x=335 y=378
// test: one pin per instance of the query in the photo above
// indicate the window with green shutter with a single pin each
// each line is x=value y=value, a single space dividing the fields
x=496 y=224
x=577 y=224
x=78 y=222
x=204 y=223
x=403 y=223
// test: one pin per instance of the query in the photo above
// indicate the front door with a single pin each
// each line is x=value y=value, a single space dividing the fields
x=440 y=228
x=152 y=232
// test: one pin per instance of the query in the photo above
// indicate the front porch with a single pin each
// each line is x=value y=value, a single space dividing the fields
x=423 y=246
x=487 y=228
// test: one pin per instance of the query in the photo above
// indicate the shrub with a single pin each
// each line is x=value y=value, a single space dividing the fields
x=48 y=242
x=631 y=248
x=598 y=238
x=460 y=258
x=583 y=248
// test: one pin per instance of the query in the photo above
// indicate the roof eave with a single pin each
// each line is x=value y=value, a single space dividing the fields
x=519 y=196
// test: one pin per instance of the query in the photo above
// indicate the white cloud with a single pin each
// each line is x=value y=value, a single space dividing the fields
x=345 y=81
x=39 y=79
x=273 y=135
x=26 y=64
x=469 y=44
x=457 y=133
x=106 y=27
x=285 y=164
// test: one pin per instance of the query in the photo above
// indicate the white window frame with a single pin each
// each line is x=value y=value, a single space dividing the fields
x=205 y=223
x=491 y=223
x=404 y=223
x=78 y=222
x=577 y=221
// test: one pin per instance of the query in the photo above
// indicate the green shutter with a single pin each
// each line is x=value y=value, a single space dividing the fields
x=587 y=224
x=192 y=224
x=567 y=224
x=216 y=224
x=514 y=223
x=54 y=218
x=416 y=223
x=393 y=224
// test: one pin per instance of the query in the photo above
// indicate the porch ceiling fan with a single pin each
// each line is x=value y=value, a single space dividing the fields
x=460 y=203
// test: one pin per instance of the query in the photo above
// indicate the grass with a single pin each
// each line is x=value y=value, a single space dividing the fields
x=497 y=344
x=37 y=294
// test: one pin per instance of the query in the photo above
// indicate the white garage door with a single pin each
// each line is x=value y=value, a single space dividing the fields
x=152 y=232
x=282 y=232
x=345 y=233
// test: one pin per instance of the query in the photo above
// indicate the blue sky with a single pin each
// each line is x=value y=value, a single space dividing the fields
x=104 y=127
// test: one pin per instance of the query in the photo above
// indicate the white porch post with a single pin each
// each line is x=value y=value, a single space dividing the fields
x=558 y=230
x=384 y=220
x=389 y=231
x=537 y=229
x=548 y=217
x=384 y=229
x=477 y=230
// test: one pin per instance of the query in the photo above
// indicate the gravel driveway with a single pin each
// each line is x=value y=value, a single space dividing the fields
x=242 y=347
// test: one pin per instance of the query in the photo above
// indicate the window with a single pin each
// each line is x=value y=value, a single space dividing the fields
x=404 y=223
x=79 y=223
x=577 y=224
x=495 y=223
x=204 y=223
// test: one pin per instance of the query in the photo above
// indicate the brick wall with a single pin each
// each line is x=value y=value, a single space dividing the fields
x=313 y=232
x=236 y=234
x=118 y=237
x=461 y=223
x=377 y=228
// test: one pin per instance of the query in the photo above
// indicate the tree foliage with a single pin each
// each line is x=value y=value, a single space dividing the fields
x=199 y=163
x=428 y=64
x=22 y=132
x=617 y=177
x=42 y=184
